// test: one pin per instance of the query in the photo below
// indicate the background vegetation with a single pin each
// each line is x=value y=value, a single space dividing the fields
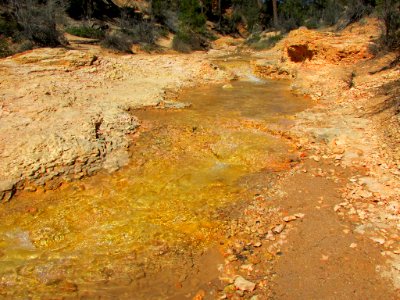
x=30 y=23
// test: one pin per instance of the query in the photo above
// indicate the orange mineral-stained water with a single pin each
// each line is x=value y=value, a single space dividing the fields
x=128 y=232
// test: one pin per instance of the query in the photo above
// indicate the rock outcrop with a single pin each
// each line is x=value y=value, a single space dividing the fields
x=64 y=114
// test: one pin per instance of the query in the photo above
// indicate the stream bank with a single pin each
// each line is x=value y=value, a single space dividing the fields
x=64 y=114
x=355 y=126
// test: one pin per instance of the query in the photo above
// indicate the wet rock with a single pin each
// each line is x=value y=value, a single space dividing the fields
x=68 y=287
x=363 y=194
x=378 y=240
x=279 y=228
x=299 y=215
x=248 y=267
x=199 y=295
x=289 y=218
x=116 y=160
x=372 y=184
x=244 y=285
x=326 y=134
x=324 y=257
x=270 y=236
x=265 y=68
x=231 y=258
x=227 y=86
x=7 y=189
x=315 y=158
x=173 y=105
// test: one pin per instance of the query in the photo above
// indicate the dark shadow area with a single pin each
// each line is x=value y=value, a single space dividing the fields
x=300 y=53
x=392 y=91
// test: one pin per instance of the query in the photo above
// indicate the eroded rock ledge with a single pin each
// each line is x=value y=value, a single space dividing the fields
x=64 y=114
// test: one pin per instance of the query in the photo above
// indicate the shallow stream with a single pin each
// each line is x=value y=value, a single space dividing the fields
x=130 y=232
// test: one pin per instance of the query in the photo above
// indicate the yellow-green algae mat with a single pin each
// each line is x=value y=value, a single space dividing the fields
x=111 y=230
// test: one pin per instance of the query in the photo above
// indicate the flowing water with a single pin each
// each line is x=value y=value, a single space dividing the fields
x=128 y=232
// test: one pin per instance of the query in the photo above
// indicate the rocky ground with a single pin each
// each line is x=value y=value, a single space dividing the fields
x=65 y=113
x=340 y=237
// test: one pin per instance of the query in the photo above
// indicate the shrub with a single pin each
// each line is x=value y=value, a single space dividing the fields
x=354 y=11
x=4 y=48
x=186 y=42
x=87 y=9
x=162 y=9
x=293 y=13
x=118 y=41
x=149 y=48
x=8 y=25
x=275 y=39
x=139 y=29
x=228 y=23
x=38 y=21
x=86 y=32
x=268 y=43
x=253 y=38
x=248 y=12
x=389 y=11
x=288 y=24
x=191 y=16
x=311 y=23
x=331 y=12
x=142 y=31
x=24 y=46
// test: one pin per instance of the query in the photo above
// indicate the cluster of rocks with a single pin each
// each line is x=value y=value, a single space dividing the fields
x=253 y=242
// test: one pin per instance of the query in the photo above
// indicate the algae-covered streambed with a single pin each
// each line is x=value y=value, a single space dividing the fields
x=129 y=232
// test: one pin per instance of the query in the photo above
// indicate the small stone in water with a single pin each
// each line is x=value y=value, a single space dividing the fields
x=289 y=218
x=244 y=285
x=231 y=258
x=200 y=295
x=324 y=257
x=378 y=240
x=248 y=267
x=299 y=215
x=228 y=86
x=258 y=244
x=270 y=236
x=279 y=228
x=316 y=158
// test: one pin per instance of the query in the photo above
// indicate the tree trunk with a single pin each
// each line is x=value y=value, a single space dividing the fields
x=219 y=13
x=275 y=10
